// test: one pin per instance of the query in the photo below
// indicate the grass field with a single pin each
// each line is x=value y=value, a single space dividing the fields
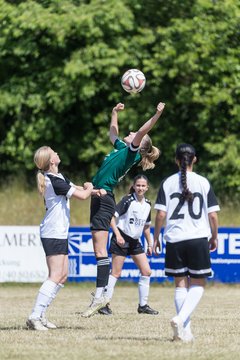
x=24 y=206
x=124 y=335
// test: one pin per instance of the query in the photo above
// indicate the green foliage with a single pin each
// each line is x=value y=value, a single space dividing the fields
x=60 y=67
x=226 y=166
x=57 y=66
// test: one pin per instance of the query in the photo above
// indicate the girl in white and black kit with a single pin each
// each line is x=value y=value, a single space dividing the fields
x=56 y=190
x=188 y=204
x=132 y=218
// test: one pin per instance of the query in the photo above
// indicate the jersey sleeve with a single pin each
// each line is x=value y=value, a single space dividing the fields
x=160 y=203
x=148 y=221
x=133 y=148
x=122 y=206
x=119 y=144
x=212 y=201
x=61 y=187
x=67 y=180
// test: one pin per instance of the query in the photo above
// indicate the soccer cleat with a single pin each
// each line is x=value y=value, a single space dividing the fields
x=95 y=305
x=48 y=324
x=187 y=336
x=33 y=324
x=178 y=329
x=105 y=310
x=145 y=309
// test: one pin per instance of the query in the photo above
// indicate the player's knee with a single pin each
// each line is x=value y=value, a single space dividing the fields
x=59 y=277
x=64 y=278
x=116 y=274
x=147 y=272
x=101 y=253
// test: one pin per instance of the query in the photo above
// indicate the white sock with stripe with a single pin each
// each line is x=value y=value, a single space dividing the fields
x=103 y=267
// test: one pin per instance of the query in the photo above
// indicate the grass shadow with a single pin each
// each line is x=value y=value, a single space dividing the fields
x=134 y=338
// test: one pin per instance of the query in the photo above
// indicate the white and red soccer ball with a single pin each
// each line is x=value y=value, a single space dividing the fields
x=133 y=81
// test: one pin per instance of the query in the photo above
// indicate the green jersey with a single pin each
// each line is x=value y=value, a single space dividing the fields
x=116 y=165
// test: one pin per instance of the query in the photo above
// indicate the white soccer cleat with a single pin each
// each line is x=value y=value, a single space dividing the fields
x=178 y=329
x=187 y=336
x=95 y=305
x=48 y=324
x=34 y=324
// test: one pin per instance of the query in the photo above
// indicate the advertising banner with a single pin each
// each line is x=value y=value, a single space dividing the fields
x=225 y=261
x=22 y=258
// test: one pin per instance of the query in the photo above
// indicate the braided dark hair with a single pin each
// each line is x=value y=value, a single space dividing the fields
x=185 y=154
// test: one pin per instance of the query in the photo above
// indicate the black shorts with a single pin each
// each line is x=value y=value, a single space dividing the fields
x=131 y=246
x=102 y=211
x=188 y=258
x=55 y=246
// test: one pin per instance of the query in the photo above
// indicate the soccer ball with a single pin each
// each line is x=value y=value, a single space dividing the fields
x=133 y=81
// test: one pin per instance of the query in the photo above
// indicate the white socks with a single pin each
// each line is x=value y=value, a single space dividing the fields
x=179 y=298
x=99 y=292
x=46 y=294
x=143 y=289
x=191 y=301
x=110 y=287
x=108 y=290
x=54 y=294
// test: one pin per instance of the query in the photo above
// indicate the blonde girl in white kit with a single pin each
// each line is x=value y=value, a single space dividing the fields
x=56 y=190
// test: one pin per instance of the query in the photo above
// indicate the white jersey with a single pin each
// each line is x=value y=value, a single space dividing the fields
x=188 y=220
x=56 y=221
x=132 y=215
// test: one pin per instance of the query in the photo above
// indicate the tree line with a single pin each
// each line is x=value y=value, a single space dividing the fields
x=61 y=63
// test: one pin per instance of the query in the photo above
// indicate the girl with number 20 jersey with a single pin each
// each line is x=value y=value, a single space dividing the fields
x=188 y=204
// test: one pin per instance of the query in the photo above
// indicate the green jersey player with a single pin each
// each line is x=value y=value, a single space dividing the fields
x=136 y=148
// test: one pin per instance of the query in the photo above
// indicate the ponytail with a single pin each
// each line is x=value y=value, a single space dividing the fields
x=149 y=153
x=186 y=193
x=185 y=154
x=42 y=161
x=41 y=182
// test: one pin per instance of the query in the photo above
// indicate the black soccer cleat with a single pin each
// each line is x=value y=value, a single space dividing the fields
x=145 y=309
x=105 y=310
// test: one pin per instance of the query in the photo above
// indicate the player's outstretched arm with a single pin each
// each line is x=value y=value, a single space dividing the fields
x=148 y=125
x=85 y=192
x=113 y=132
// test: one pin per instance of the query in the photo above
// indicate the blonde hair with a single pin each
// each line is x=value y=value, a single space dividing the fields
x=149 y=153
x=42 y=160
